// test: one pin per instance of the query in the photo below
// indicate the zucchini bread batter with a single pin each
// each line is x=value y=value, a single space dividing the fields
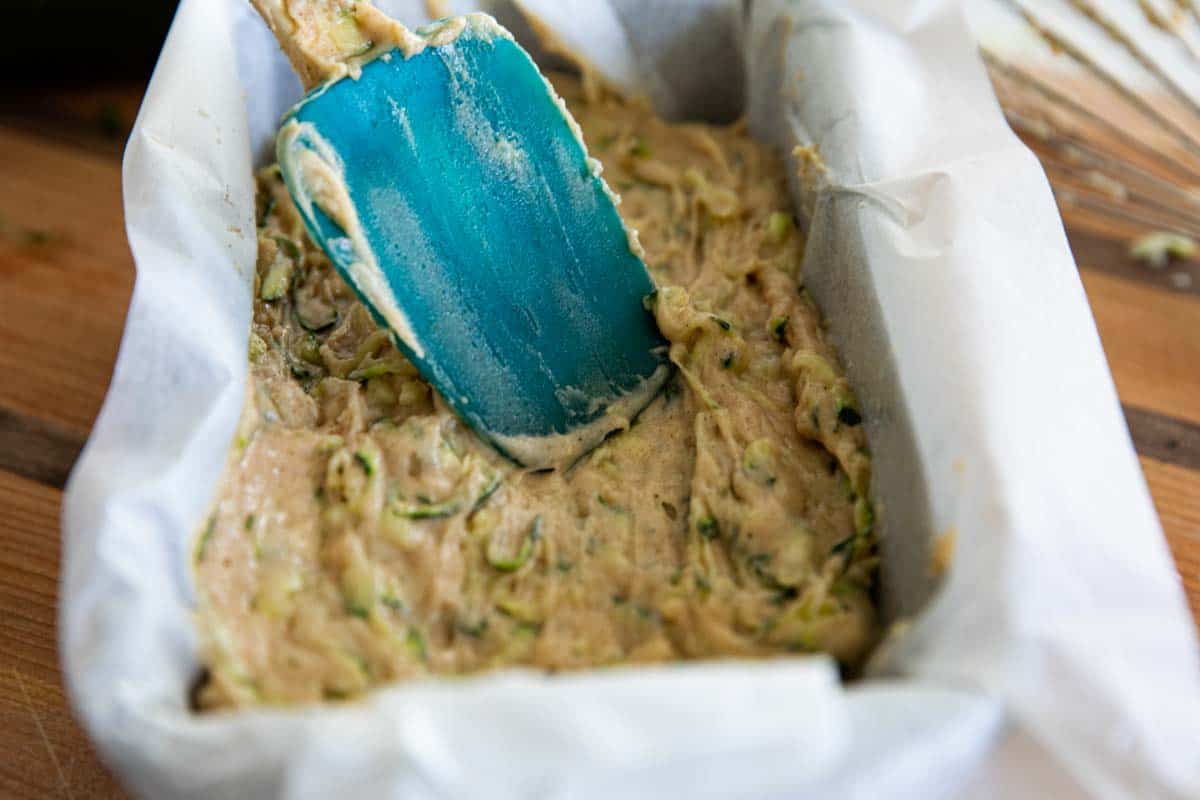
x=363 y=535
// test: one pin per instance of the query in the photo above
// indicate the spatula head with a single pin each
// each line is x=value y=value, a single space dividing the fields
x=453 y=192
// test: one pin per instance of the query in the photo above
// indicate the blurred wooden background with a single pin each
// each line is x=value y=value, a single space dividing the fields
x=66 y=275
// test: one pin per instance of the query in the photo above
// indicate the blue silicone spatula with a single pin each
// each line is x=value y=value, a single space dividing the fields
x=452 y=190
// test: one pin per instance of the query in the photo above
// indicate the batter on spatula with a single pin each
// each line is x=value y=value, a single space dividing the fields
x=452 y=190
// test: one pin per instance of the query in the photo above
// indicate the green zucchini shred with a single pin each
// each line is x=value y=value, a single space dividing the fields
x=610 y=505
x=527 y=628
x=287 y=246
x=309 y=350
x=205 y=538
x=300 y=368
x=475 y=631
x=517 y=610
x=864 y=516
x=645 y=612
x=414 y=642
x=785 y=595
x=367 y=461
x=377 y=369
x=779 y=225
x=424 y=508
x=277 y=281
x=778 y=328
x=758 y=561
x=447 y=508
x=256 y=348
x=845 y=546
x=346 y=29
x=523 y=554
x=758 y=461
x=268 y=207
x=488 y=490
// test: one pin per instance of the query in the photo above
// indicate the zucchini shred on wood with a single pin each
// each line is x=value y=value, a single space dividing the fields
x=363 y=535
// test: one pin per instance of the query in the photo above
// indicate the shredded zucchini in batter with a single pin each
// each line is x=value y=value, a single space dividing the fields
x=363 y=535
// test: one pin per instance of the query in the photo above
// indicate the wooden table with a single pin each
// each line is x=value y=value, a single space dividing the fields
x=65 y=280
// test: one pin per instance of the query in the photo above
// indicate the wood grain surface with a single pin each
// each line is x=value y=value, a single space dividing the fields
x=65 y=279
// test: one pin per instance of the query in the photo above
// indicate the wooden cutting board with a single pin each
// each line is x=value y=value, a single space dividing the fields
x=65 y=280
